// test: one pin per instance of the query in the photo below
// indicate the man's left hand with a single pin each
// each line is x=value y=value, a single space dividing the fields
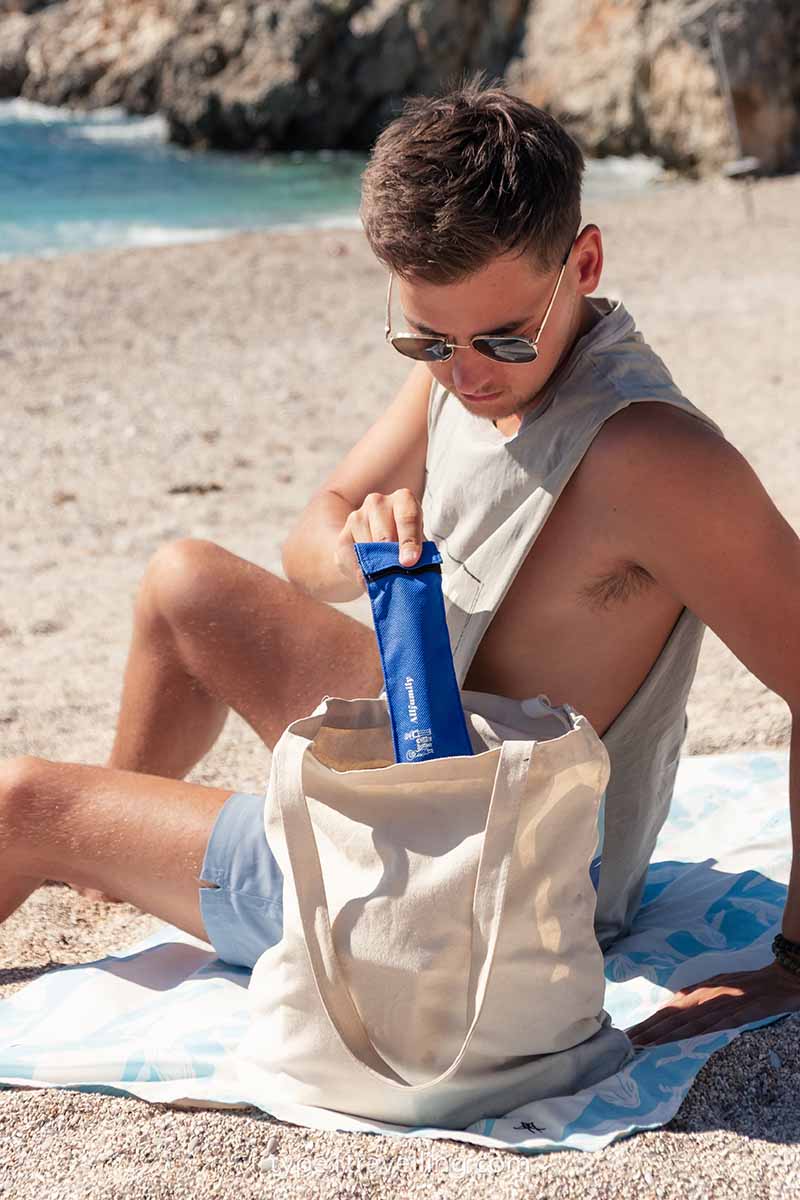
x=723 y=1002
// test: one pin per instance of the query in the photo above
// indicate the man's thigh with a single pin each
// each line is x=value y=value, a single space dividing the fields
x=141 y=838
x=256 y=641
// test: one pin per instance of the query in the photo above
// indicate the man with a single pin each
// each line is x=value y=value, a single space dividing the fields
x=535 y=422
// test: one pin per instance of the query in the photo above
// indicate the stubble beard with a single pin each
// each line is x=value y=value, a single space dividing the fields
x=510 y=406
x=518 y=406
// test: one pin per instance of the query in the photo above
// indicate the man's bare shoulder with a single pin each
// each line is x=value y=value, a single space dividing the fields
x=686 y=505
x=653 y=424
x=650 y=446
x=649 y=470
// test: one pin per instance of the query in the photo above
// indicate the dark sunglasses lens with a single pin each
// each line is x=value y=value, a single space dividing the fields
x=423 y=348
x=507 y=350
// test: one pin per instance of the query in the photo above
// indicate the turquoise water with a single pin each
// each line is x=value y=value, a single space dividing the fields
x=80 y=181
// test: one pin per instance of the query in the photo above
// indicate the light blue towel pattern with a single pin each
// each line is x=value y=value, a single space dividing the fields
x=161 y=1020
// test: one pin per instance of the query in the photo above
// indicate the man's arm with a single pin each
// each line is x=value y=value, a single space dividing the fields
x=693 y=513
x=390 y=455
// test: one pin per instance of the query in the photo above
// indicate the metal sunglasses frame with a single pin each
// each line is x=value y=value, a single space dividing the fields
x=533 y=343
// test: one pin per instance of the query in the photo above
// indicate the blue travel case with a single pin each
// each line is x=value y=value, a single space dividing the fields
x=422 y=692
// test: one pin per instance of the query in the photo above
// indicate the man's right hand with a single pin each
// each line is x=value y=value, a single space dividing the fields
x=393 y=518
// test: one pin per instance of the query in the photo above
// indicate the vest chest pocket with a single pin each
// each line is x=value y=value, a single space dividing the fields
x=460 y=585
x=460 y=589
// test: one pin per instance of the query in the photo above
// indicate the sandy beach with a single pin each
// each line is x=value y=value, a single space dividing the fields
x=204 y=391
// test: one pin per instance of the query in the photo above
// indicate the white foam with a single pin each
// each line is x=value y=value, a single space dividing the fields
x=98 y=125
x=636 y=171
x=344 y=221
x=75 y=237
x=163 y=235
x=131 y=129
x=29 y=110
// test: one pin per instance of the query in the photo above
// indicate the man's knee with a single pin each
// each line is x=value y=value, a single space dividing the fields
x=177 y=579
x=23 y=784
x=191 y=581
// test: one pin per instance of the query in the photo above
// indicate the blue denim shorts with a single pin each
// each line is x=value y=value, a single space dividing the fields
x=243 y=913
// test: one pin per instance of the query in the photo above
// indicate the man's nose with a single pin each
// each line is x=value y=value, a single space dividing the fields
x=472 y=372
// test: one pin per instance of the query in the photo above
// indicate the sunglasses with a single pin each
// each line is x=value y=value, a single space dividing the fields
x=499 y=349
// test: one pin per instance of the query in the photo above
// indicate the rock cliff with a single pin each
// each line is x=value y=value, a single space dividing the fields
x=642 y=75
x=624 y=75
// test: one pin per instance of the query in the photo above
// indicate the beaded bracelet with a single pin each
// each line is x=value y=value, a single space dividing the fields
x=789 y=964
x=786 y=945
x=787 y=953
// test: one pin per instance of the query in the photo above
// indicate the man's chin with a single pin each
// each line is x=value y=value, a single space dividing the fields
x=492 y=402
x=498 y=406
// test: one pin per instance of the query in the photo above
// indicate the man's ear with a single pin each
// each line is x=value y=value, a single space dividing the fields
x=588 y=259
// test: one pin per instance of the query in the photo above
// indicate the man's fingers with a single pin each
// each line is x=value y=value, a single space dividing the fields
x=659 y=1019
x=345 y=553
x=721 y=1003
x=721 y=1011
x=410 y=540
x=668 y=1012
x=380 y=520
x=674 y=1014
x=408 y=520
x=692 y=1023
x=680 y=1024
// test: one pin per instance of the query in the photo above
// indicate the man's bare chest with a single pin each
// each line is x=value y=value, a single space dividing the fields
x=580 y=622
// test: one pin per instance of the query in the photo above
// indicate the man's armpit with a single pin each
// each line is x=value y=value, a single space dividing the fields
x=616 y=588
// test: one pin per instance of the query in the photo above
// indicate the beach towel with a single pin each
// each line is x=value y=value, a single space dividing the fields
x=161 y=1020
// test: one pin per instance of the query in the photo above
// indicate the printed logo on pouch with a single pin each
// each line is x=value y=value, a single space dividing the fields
x=412 y=703
x=424 y=740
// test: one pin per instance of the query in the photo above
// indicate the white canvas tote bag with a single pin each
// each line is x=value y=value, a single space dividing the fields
x=438 y=962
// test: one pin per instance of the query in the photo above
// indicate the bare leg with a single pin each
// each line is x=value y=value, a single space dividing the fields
x=213 y=631
x=141 y=837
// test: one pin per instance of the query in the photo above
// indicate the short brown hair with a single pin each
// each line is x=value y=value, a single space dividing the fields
x=458 y=179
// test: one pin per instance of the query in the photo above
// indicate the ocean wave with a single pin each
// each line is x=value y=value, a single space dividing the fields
x=131 y=129
x=163 y=235
x=344 y=221
x=112 y=124
x=75 y=237
x=66 y=237
x=637 y=171
x=21 y=110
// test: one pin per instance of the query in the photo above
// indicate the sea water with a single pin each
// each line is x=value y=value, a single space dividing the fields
x=72 y=180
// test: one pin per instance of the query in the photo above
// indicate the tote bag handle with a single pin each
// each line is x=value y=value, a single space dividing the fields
x=306 y=877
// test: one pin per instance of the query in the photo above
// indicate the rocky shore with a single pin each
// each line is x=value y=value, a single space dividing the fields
x=627 y=76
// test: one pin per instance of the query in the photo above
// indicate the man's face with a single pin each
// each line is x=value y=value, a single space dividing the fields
x=509 y=296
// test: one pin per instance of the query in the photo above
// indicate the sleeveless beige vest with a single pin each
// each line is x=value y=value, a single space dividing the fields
x=487 y=498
